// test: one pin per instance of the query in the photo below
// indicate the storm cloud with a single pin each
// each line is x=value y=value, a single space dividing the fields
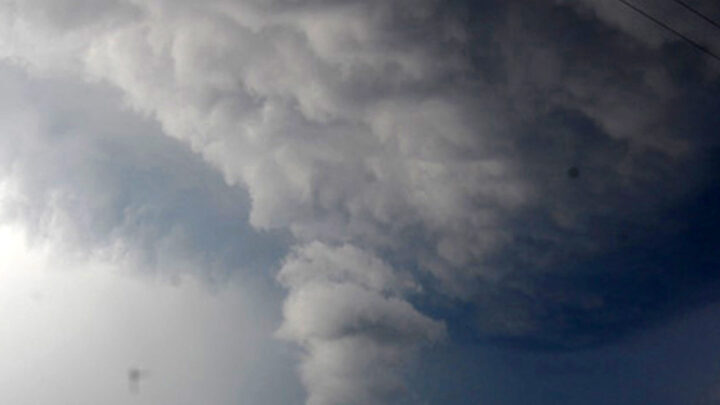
x=540 y=167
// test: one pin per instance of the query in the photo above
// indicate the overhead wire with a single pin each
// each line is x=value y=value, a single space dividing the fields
x=697 y=13
x=677 y=33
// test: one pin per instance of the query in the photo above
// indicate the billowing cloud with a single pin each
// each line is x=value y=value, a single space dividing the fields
x=346 y=308
x=101 y=181
x=122 y=250
x=502 y=154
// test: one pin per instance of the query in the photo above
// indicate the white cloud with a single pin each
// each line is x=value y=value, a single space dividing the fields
x=347 y=310
x=71 y=332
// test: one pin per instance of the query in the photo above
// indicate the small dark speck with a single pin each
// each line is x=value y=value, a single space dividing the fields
x=573 y=172
x=134 y=376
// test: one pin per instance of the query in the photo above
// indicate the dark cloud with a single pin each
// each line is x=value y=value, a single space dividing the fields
x=540 y=171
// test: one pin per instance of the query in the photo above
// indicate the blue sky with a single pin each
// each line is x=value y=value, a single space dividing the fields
x=344 y=202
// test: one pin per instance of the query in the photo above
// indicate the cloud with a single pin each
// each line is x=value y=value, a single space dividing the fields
x=123 y=250
x=72 y=330
x=104 y=182
x=422 y=136
x=346 y=309
x=620 y=16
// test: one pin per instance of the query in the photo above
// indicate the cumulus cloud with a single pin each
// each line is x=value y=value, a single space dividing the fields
x=419 y=135
x=101 y=181
x=121 y=250
x=347 y=309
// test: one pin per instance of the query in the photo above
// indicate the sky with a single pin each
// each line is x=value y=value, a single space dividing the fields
x=340 y=202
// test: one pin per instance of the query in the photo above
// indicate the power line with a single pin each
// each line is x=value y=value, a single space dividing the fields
x=696 y=45
x=697 y=13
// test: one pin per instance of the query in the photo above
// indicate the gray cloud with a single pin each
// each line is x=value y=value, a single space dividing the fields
x=104 y=182
x=619 y=16
x=419 y=135
x=102 y=222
